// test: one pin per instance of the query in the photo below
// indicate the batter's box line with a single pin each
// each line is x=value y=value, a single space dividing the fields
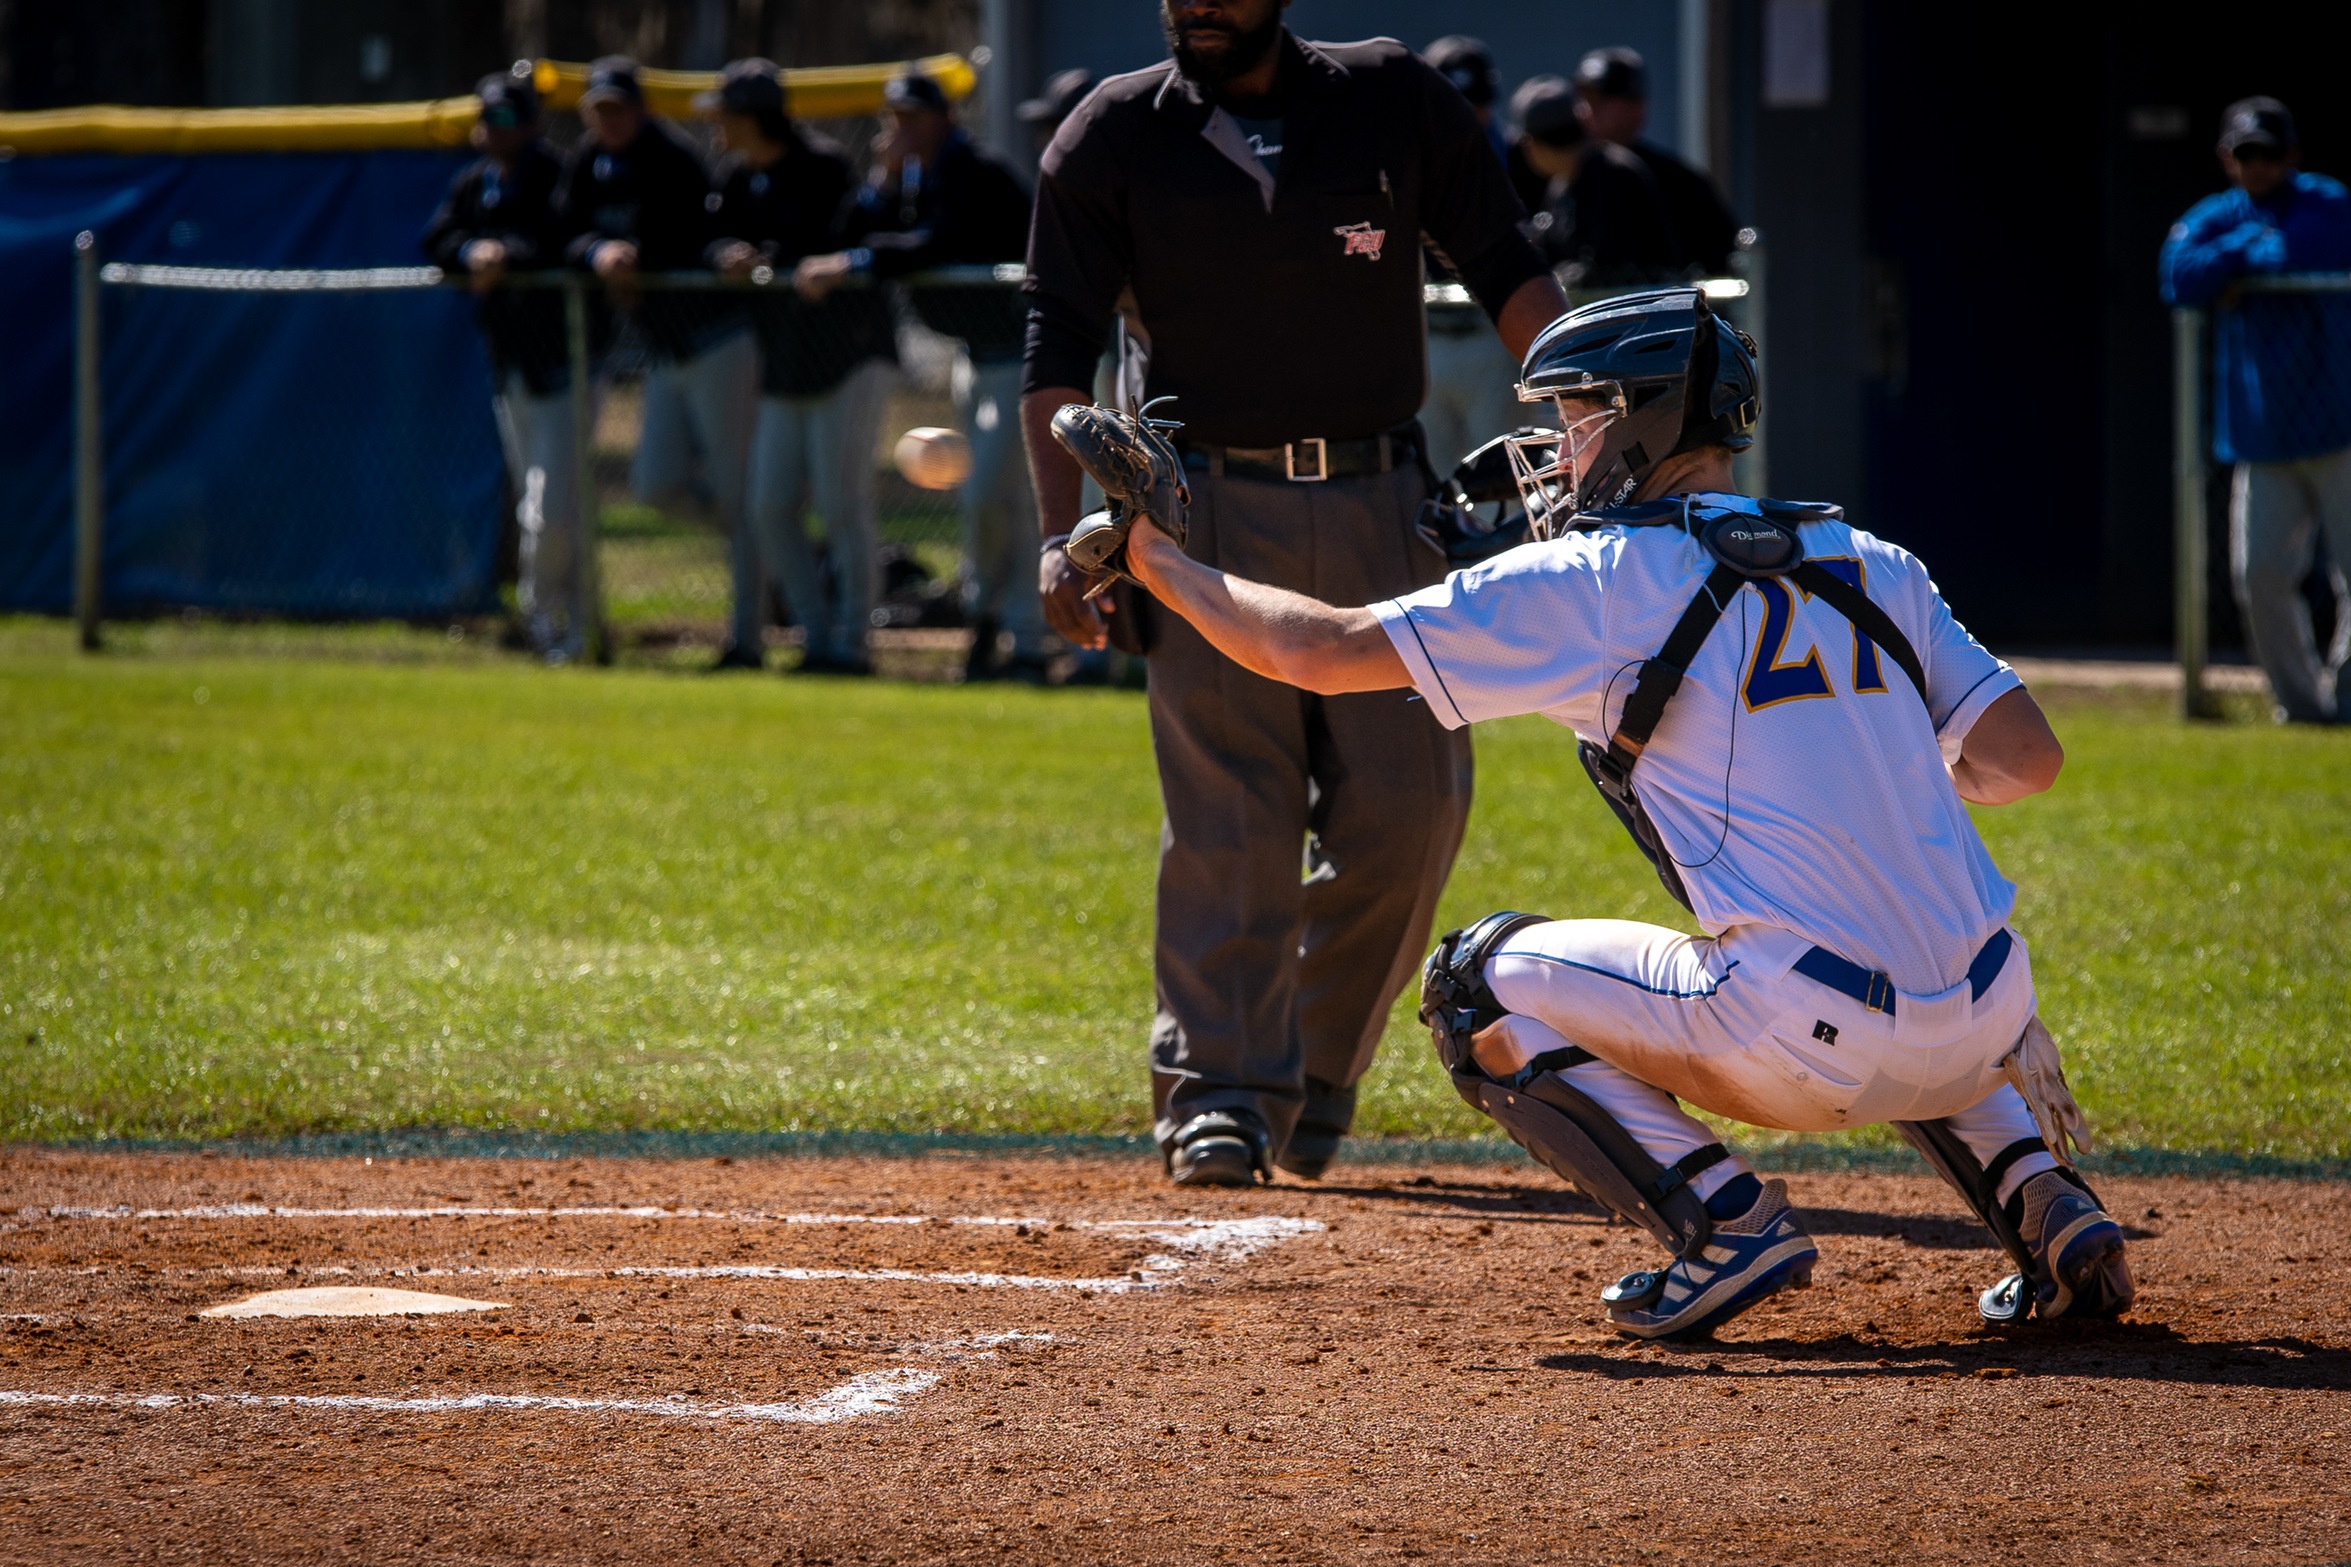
x=868 y=1393
x=1188 y=1241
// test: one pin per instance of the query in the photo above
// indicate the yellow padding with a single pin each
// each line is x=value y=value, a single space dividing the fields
x=819 y=92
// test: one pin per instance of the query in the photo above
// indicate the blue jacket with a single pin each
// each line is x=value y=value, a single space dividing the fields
x=2281 y=374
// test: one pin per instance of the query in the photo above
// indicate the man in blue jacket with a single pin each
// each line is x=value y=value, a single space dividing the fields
x=2281 y=390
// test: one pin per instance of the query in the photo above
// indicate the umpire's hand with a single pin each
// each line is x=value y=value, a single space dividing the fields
x=1074 y=617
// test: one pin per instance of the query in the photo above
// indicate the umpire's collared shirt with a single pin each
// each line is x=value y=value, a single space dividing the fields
x=1281 y=304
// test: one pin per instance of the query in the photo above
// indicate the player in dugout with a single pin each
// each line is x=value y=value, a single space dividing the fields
x=1788 y=717
x=499 y=217
x=933 y=198
x=1612 y=100
x=825 y=366
x=2281 y=391
x=1264 y=199
x=638 y=199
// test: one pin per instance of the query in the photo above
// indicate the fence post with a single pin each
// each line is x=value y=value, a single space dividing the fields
x=1749 y=262
x=89 y=451
x=2190 y=619
x=583 y=438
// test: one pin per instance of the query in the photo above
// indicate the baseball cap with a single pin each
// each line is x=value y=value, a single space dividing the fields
x=911 y=90
x=1467 y=63
x=1544 y=107
x=614 y=76
x=2257 y=125
x=508 y=99
x=1613 y=73
x=750 y=86
x=1064 y=90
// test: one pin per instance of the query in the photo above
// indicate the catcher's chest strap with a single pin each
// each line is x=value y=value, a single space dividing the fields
x=1662 y=675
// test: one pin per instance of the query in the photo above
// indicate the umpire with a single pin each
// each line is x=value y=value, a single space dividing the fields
x=1264 y=198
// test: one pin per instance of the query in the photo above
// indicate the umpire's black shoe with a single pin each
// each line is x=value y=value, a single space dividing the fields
x=1219 y=1148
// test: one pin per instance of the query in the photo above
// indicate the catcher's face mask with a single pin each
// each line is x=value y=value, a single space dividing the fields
x=1553 y=469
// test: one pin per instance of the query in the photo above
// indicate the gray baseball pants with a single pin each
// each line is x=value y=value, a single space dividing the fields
x=541 y=459
x=1473 y=390
x=816 y=454
x=1306 y=837
x=999 y=515
x=2275 y=516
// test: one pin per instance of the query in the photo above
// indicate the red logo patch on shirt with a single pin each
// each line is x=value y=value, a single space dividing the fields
x=1361 y=239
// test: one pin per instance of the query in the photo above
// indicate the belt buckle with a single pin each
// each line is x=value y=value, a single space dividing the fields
x=1322 y=461
x=1881 y=994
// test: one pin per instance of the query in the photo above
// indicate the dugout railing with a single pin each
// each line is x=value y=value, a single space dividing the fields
x=654 y=569
x=2192 y=521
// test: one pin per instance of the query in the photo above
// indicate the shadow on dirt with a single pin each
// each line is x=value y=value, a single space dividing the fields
x=2115 y=1351
x=1932 y=1232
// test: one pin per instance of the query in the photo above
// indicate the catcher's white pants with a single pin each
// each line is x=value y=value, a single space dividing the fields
x=1725 y=1024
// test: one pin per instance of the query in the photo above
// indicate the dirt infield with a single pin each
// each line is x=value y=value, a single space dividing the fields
x=1040 y=1360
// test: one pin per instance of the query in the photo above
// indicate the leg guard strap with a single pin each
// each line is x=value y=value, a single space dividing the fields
x=1583 y=1145
x=1977 y=1184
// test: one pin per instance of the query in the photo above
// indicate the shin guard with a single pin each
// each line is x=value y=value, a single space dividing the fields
x=1978 y=1184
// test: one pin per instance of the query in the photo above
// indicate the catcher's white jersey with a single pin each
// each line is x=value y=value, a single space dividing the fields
x=1796 y=777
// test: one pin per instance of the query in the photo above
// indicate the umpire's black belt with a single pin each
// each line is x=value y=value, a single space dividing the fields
x=1309 y=461
x=1876 y=992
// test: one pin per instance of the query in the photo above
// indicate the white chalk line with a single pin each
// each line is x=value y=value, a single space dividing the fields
x=869 y=1393
x=244 y=1210
x=1187 y=1240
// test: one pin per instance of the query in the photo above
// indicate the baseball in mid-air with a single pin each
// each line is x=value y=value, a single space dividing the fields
x=932 y=458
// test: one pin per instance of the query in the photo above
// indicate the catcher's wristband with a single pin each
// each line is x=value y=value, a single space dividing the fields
x=1059 y=541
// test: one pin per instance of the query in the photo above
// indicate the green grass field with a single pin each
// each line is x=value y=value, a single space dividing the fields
x=408 y=884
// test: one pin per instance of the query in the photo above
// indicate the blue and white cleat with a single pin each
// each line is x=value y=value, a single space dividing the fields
x=2085 y=1268
x=1757 y=1254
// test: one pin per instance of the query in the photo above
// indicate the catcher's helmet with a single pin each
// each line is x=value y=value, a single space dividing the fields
x=1638 y=356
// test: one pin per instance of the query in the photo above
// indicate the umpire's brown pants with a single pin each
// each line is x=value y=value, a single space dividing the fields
x=1277 y=953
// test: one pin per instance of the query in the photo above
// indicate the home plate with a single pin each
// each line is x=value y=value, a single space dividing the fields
x=348 y=1301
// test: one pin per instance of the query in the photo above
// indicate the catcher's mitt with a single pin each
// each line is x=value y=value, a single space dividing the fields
x=1140 y=472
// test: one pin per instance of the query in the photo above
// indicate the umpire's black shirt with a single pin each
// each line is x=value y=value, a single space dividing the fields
x=655 y=193
x=1280 y=305
x=523 y=328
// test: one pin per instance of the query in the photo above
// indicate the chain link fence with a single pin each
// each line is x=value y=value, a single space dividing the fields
x=2264 y=374
x=705 y=485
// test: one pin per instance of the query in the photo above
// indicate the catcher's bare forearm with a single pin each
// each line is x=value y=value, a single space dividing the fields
x=1273 y=632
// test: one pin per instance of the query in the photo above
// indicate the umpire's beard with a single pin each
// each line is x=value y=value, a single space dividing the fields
x=1240 y=55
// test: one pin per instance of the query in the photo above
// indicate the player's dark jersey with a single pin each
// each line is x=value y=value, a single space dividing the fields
x=1702 y=223
x=968 y=209
x=1608 y=224
x=655 y=193
x=523 y=328
x=786 y=211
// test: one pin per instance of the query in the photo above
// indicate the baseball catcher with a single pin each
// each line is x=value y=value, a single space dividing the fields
x=1786 y=717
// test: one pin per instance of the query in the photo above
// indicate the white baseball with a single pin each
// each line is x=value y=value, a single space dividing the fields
x=932 y=458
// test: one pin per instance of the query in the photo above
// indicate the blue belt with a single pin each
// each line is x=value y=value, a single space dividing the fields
x=1876 y=992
